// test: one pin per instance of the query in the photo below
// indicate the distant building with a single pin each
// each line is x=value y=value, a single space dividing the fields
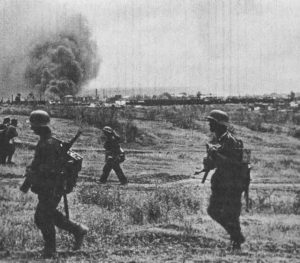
x=120 y=102
x=181 y=95
x=271 y=108
x=68 y=99
x=294 y=104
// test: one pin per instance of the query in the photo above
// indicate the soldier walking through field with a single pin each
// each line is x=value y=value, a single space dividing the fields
x=5 y=123
x=4 y=140
x=226 y=182
x=114 y=155
x=43 y=174
x=11 y=133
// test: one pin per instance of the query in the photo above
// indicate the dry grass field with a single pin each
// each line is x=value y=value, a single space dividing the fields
x=160 y=216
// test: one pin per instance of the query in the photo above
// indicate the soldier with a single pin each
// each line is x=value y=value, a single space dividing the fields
x=5 y=123
x=45 y=170
x=11 y=133
x=114 y=155
x=3 y=139
x=225 y=200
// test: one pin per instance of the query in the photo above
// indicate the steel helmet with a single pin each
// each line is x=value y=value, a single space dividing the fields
x=219 y=116
x=6 y=120
x=39 y=118
x=107 y=129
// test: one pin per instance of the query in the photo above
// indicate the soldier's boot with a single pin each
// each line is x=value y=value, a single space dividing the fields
x=237 y=241
x=124 y=181
x=102 y=181
x=48 y=232
x=2 y=159
x=50 y=247
x=79 y=236
x=78 y=230
x=49 y=253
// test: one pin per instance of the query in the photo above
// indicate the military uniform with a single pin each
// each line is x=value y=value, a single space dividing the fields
x=113 y=156
x=49 y=188
x=225 y=201
x=3 y=140
x=5 y=123
x=10 y=147
x=226 y=185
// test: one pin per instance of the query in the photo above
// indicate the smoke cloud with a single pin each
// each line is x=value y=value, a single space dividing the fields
x=45 y=49
x=63 y=62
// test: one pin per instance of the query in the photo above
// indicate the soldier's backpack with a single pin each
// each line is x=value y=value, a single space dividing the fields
x=71 y=170
x=70 y=166
x=121 y=156
x=3 y=144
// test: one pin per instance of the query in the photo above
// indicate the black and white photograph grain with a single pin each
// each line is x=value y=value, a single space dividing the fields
x=150 y=131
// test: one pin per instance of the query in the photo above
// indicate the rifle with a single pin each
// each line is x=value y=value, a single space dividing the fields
x=67 y=145
x=205 y=169
x=246 y=188
x=66 y=205
x=64 y=158
x=204 y=176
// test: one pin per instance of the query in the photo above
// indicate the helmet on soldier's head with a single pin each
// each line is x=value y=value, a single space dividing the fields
x=39 y=118
x=219 y=117
x=108 y=130
x=6 y=120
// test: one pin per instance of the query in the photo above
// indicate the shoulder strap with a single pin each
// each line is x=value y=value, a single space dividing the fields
x=239 y=141
x=56 y=139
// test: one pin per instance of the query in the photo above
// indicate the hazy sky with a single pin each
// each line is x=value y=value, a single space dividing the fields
x=218 y=46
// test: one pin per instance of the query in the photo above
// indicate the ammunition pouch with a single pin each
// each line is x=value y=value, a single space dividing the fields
x=115 y=157
x=31 y=178
x=244 y=154
x=121 y=156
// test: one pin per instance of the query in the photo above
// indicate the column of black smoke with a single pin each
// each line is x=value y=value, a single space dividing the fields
x=64 y=62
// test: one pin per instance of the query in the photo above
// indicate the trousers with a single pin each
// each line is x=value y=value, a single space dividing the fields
x=113 y=165
x=225 y=208
x=10 y=152
x=47 y=217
